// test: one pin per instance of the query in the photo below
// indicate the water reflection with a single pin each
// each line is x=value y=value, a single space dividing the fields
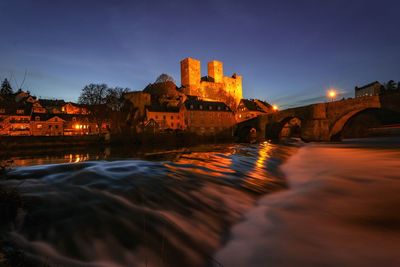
x=133 y=212
x=77 y=157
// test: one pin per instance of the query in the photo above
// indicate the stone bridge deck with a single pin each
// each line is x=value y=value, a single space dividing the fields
x=321 y=121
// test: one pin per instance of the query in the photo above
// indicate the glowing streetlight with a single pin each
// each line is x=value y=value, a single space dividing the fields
x=332 y=94
x=275 y=107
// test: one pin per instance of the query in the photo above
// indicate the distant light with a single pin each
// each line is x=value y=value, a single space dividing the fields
x=332 y=94
x=275 y=107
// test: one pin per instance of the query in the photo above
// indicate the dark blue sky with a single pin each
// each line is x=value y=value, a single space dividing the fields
x=289 y=52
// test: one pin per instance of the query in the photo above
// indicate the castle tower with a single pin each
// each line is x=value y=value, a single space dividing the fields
x=215 y=71
x=190 y=74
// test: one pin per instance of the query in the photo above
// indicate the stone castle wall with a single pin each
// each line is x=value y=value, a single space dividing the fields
x=217 y=87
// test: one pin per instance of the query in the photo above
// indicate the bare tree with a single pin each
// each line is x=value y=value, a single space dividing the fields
x=115 y=101
x=94 y=96
x=115 y=98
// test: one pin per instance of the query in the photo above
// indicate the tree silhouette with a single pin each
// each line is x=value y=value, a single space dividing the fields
x=94 y=96
x=391 y=85
x=6 y=88
x=117 y=112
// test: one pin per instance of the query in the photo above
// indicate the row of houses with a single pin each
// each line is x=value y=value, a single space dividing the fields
x=191 y=113
x=23 y=114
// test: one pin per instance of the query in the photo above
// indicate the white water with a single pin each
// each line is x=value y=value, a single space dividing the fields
x=342 y=209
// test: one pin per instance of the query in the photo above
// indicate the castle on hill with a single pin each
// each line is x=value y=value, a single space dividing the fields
x=213 y=87
x=205 y=105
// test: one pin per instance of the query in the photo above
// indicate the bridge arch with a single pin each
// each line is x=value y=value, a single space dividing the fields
x=284 y=128
x=246 y=130
x=338 y=126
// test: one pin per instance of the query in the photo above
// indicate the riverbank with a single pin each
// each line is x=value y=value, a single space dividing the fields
x=166 y=140
x=341 y=209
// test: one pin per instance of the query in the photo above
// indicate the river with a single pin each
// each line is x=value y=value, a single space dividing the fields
x=264 y=204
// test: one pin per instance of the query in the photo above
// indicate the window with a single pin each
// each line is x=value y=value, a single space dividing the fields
x=49 y=126
x=219 y=108
x=20 y=111
x=37 y=118
x=191 y=106
x=210 y=107
x=164 y=117
x=39 y=126
x=201 y=106
x=172 y=117
x=73 y=119
x=55 y=119
x=156 y=117
x=172 y=124
x=2 y=111
x=56 y=126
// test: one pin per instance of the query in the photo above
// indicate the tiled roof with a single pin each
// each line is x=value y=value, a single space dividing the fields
x=68 y=117
x=44 y=116
x=51 y=102
x=11 y=107
x=253 y=106
x=197 y=104
x=157 y=107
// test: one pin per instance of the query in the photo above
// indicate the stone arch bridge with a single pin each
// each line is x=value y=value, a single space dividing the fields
x=319 y=122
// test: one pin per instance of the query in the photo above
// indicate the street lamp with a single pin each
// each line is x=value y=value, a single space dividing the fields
x=332 y=94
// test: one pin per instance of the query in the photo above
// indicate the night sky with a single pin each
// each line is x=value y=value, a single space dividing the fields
x=289 y=52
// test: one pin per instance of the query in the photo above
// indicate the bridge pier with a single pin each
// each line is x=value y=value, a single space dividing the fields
x=315 y=130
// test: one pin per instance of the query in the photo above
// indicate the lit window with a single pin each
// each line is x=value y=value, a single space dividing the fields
x=20 y=111
x=39 y=126
x=219 y=108
x=210 y=107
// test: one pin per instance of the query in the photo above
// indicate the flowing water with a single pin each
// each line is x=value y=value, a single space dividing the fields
x=220 y=205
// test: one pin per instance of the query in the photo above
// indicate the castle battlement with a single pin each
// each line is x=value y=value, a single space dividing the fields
x=215 y=86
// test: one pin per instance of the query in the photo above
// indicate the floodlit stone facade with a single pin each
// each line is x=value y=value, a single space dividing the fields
x=214 y=87
x=208 y=117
